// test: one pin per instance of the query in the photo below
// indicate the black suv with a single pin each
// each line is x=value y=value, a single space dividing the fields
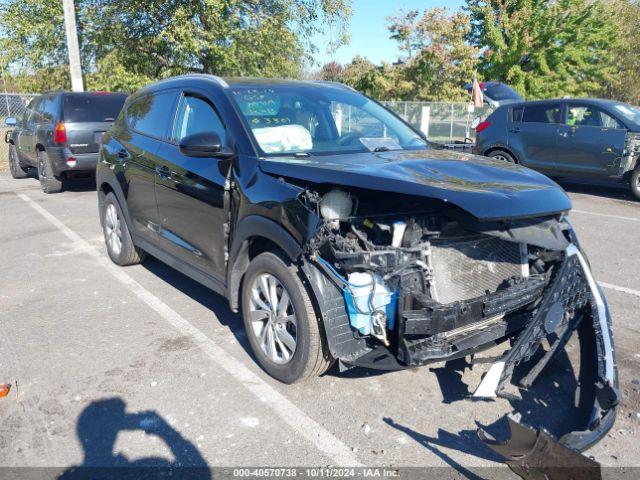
x=59 y=135
x=578 y=138
x=343 y=235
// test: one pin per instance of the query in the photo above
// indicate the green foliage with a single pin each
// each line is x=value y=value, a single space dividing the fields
x=127 y=43
x=545 y=49
x=439 y=59
x=625 y=85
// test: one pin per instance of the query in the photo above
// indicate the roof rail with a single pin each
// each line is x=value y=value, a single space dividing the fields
x=337 y=84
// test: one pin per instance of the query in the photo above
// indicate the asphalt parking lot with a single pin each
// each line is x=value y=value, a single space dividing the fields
x=111 y=365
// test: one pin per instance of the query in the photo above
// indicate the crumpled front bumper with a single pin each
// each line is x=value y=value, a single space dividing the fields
x=532 y=453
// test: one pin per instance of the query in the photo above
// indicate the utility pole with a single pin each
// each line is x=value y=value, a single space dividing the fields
x=72 y=45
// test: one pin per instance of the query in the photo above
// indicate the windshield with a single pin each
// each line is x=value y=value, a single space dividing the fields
x=92 y=107
x=317 y=120
x=628 y=112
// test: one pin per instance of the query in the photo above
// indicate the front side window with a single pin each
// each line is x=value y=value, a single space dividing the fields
x=586 y=116
x=196 y=115
x=320 y=120
x=152 y=114
x=549 y=113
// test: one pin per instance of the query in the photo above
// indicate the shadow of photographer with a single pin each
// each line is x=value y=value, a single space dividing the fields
x=98 y=427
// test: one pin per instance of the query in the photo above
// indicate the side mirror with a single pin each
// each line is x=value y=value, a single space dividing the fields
x=11 y=121
x=203 y=144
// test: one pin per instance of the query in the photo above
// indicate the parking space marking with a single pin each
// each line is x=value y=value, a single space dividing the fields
x=606 y=215
x=299 y=421
x=630 y=291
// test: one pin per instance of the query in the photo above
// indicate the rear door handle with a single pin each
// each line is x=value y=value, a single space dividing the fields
x=514 y=130
x=163 y=172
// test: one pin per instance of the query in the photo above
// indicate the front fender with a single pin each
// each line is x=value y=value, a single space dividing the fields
x=249 y=227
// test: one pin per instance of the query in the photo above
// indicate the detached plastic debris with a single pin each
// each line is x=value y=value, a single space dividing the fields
x=4 y=389
x=536 y=455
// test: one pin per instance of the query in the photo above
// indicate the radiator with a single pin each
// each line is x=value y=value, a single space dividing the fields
x=470 y=267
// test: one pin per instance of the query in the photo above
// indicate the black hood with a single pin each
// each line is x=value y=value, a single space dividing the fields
x=486 y=188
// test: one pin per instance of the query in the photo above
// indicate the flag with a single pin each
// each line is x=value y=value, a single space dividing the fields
x=476 y=94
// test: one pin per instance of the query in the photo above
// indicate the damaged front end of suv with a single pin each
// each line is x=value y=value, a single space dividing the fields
x=402 y=280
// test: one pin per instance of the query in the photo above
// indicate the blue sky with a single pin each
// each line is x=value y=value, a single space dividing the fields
x=369 y=36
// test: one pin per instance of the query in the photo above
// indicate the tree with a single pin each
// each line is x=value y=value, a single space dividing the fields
x=126 y=43
x=625 y=85
x=444 y=61
x=545 y=48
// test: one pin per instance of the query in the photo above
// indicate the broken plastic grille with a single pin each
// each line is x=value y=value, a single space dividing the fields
x=472 y=267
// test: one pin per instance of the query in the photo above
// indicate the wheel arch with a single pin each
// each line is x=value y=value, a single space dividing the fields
x=106 y=185
x=254 y=235
x=504 y=148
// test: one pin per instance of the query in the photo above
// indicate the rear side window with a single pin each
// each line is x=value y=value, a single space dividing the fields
x=92 y=107
x=549 y=113
x=151 y=115
x=195 y=115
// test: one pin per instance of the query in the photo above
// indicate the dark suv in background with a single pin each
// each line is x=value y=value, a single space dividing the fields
x=59 y=135
x=577 y=138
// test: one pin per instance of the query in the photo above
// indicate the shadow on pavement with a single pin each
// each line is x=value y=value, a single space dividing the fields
x=549 y=404
x=80 y=184
x=203 y=295
x=98 y=427
x=605 y=190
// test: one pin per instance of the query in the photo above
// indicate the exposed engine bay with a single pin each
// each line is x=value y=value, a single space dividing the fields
x=428 y=285
x=403 y=283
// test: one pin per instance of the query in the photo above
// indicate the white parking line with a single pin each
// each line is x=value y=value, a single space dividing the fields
x=630 y=291
x=606 y=215
x=299 y=421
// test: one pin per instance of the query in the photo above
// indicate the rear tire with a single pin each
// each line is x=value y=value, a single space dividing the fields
x=634 y=183
x=284 y=331
x=117 y=237
x=48 y=181
x=502 y=155
x=14 y=164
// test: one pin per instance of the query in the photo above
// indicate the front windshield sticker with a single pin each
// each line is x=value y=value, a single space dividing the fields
x=258 y=102
x=380 y=144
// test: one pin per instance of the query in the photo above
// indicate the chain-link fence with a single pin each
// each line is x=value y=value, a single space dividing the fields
x=11 y=105
x=444 y=122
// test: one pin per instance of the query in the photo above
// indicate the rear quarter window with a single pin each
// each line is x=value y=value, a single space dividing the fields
x=516 y=114
x=152 y=114
x=92 y=107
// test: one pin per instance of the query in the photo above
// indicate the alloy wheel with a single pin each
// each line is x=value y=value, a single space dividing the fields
x=13 y=164
x=113 y=229
x=273 y=319
x=42 y=173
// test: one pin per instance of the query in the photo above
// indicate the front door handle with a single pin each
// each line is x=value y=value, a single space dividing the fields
x=163 y=172
x=515 y=130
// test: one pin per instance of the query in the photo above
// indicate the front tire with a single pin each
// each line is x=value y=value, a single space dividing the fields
x=48 y=181
x=634 y=183
x=280 y=321
x=14 y=164
x=117 y=237
x=502 y=155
